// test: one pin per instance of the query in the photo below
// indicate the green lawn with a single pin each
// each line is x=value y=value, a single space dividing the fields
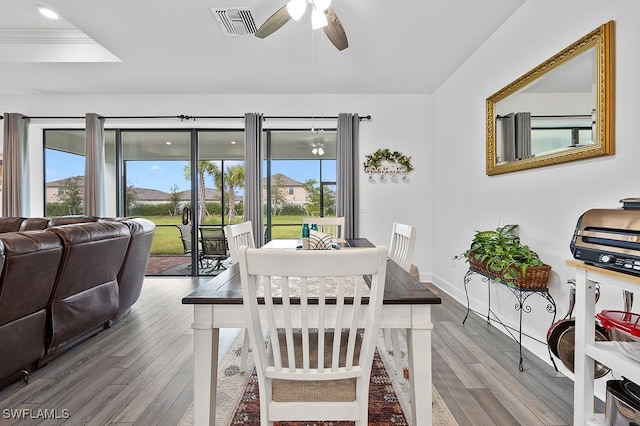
x=167 y=238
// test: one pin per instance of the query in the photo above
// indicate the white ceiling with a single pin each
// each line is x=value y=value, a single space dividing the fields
x=177 y=46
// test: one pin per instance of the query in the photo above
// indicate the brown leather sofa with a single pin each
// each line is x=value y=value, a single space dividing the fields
x=63 y=280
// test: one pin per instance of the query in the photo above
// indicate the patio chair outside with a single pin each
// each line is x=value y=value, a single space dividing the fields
x=185 y=237
x=214 y=247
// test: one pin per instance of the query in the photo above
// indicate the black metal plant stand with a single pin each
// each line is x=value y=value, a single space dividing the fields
x=521 y=294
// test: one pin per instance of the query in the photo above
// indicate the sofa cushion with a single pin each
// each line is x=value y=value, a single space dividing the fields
x=82 y=313
x=10 y=224
x=93 y=255
x=86 y=291
x=131 y=275
x=23 y=343
x=68 y=220
x=30 y=262
x=34 y=223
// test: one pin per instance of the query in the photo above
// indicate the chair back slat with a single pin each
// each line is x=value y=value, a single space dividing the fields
x=287 y=317
x=401 y=248
x=357 y=304
x=339 y=324
x=306 y=362
x=321 y=326
x=273 y=331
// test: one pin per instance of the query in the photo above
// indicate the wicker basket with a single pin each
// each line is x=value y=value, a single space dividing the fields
x=536 y=277
x=480 y=266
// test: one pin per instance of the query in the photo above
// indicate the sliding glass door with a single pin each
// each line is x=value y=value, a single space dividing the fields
x=157 y=186
x=220 y=189
x=189 y=182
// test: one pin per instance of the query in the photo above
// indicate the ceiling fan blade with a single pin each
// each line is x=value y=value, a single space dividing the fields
x=274 y=23
x=335 y=31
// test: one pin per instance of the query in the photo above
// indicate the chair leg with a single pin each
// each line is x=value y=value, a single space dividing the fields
x=244 y=352
x=392 y=344
x=387 y=339
x=397 y=353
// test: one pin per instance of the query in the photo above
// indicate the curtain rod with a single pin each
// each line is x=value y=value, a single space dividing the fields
x=498 y=117
x=195 y=117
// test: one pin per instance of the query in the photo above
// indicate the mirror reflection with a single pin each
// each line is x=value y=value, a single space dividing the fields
x=560 y=111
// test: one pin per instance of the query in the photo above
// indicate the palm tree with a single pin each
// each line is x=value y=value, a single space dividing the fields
x=234 y=178
x=209 y=168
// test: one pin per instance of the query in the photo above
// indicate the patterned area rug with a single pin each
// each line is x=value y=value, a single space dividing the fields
x=389 y=404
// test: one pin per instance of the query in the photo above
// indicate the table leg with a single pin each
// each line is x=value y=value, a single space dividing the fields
x=205 y=360
x=419 y=357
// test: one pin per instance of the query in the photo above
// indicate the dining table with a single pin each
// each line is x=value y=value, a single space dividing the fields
x=218 y=303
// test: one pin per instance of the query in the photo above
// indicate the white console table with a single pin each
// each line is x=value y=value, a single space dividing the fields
x=587 y=350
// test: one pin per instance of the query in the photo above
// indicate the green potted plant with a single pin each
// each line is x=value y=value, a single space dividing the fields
x=500 y=255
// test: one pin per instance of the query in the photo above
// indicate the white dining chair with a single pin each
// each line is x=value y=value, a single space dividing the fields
x=401 y=248
x=304 y=374
x=328 y=225
x=240 y=235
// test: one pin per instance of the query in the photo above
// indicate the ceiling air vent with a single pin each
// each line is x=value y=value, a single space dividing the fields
x=235 y=21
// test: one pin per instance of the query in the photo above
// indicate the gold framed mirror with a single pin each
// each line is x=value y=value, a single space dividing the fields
x=560 y=111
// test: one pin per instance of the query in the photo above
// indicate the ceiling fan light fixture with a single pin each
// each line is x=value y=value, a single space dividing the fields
x=318 y=19
x=317 y=148
x=326 y=19
x=296 y=8
x=322 y=4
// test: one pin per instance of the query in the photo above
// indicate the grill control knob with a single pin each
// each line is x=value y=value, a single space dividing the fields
x=605 y=258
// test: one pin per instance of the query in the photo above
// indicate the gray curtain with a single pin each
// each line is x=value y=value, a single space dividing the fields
x=15 y=165
x=94 y=173
x=508 y=125
x=348 y=168
x=523 y=135
x=253 y=174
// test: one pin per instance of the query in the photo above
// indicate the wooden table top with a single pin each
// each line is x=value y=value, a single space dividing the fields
x=401 y=288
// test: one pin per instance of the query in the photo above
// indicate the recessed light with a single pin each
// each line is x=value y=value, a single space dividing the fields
x=233 y=142
x=46 y=12
x=168 y=142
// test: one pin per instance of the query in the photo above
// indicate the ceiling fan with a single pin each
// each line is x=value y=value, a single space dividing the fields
x=322 y=16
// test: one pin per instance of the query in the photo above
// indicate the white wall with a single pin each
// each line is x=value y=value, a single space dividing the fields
x=545 y=202
x=399 y=122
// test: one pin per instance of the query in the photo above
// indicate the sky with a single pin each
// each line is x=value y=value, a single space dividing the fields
x=162 y=175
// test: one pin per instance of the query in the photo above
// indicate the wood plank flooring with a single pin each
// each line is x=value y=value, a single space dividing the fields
x=140 y=372
x=475 y=370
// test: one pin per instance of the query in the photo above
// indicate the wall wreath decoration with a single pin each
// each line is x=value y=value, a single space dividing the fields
x=385 y=162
